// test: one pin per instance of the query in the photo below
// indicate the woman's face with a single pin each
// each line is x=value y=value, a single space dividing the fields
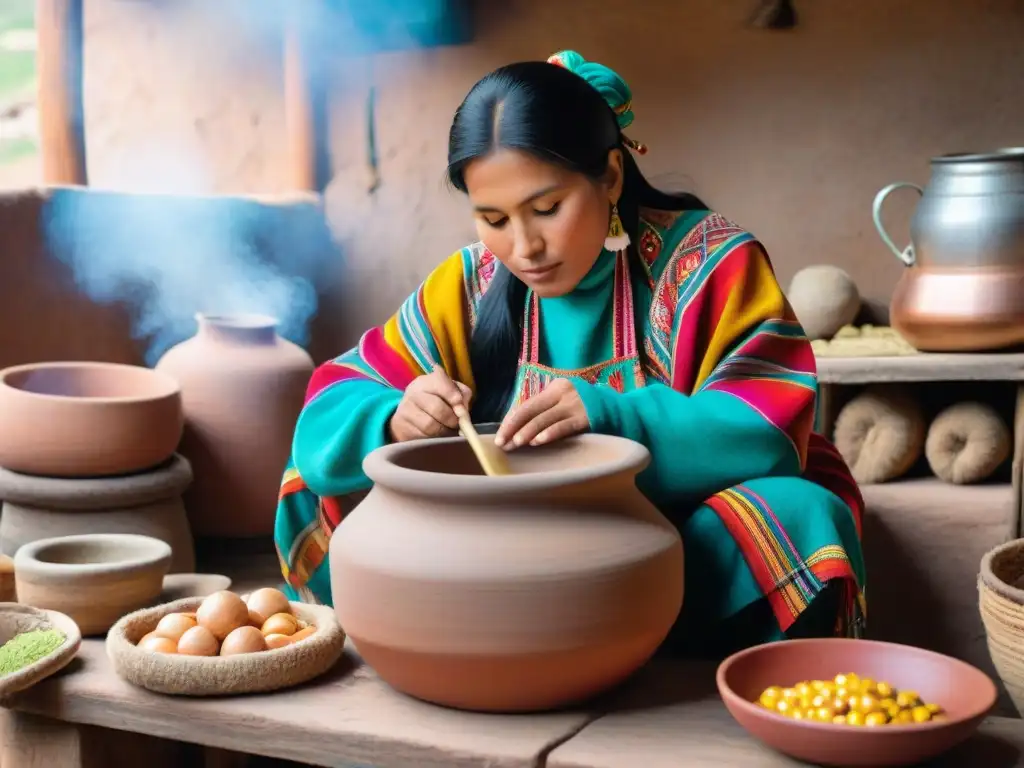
x=546 y=224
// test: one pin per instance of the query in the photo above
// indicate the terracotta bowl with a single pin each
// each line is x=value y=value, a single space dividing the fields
x=15 y=619
x=85 y=419
x=965 y=693
x=93 y=578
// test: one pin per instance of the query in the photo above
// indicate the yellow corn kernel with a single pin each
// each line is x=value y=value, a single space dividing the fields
x=876 y=718
x=921 y=714
x=907 y=699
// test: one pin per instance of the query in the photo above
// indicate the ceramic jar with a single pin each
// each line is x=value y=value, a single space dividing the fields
x=963 y=289
x=242 y=388
x=516 y=593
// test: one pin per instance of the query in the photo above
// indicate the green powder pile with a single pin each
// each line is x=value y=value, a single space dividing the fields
x=28 y=648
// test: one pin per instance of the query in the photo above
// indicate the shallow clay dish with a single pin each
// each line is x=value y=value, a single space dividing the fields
x=85 y=419
x=965 y=693
x=95 y=578
x=15 y=619
x=217 y=675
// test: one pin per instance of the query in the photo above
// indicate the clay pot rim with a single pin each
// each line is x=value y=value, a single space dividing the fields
x=988 y=577
x=380 y=467
x=170 y=388
x=250 y=321
x=149 y=553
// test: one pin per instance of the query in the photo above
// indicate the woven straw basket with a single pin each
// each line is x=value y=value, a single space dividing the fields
x=223 y=675
x=1001 y=601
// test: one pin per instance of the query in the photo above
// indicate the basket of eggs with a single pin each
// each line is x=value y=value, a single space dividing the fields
x=225 y=644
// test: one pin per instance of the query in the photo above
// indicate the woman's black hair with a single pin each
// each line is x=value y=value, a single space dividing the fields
x=557 y=116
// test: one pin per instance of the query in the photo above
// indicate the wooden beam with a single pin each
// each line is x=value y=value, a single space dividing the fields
x=59 y=64
x=305 y=104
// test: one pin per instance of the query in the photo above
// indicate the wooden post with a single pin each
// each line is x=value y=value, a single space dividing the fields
x=59 y=63
x=305 y=109
x=825 y=410
x=1018 y=458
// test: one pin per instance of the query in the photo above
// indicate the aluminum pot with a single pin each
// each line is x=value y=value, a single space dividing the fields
x=963 y=289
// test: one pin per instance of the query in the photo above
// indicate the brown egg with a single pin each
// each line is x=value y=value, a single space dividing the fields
x=302 y=634
x=264 y=603
x=280 y=624
x=198 y=641
x=243 y=640
x=173 y=626
x=146 y=637
x=277 y=641
x=221 y=613
x=158 y=644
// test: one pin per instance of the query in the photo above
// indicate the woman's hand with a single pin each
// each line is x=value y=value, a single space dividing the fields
x=555 y=413
x=428 y=408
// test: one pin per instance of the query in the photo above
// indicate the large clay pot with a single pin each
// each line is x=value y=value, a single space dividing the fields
x=242 y=388
x=963 y=290
x=516 y=593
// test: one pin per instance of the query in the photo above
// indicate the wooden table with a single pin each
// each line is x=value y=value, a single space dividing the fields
x=668 y=717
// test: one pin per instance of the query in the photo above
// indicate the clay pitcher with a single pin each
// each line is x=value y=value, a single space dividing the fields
x=963 y=289
x=242 y=388
x=517 y=593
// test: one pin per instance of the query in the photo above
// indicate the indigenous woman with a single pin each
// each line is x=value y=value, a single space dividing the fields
x=594 y=302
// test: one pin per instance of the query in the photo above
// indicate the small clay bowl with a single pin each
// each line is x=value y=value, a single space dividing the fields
x=95 y=578
x=964 y=692
x=257 y=672
x=15 y=619
x=86 y=419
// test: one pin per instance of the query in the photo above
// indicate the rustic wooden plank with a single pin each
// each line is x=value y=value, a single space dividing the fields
x=29 y=741
x=922 y=367
x=305 y=108
x=349 y=716
x=1018 y=458
x=59 y=65
x=671 y=716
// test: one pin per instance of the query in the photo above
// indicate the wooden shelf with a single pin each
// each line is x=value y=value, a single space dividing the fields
x=921 y=367
x=937 y=492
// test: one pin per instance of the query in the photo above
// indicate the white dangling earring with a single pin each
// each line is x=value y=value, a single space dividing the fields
x=617 y=239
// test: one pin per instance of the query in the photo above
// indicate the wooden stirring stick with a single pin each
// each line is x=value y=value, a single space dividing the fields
x=492 y=459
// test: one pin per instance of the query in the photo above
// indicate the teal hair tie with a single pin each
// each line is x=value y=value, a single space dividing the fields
x=606 y=81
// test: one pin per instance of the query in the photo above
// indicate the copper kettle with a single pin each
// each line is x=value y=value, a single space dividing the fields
x=963 y=289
